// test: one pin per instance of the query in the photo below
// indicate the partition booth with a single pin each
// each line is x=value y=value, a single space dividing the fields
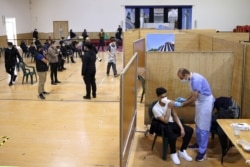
x=220 y=57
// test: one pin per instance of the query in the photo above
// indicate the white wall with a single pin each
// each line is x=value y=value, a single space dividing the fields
x=20 y=9
x=93 y=15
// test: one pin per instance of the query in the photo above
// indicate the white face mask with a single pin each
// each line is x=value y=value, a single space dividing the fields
x=185 y=80
x=164 y=100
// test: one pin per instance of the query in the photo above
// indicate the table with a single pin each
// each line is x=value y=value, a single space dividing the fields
x=225 y=124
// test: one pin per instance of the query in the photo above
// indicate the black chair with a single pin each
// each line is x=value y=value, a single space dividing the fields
x=164 y=138
x=226 y=108
x=142 y=80
x=28 y=71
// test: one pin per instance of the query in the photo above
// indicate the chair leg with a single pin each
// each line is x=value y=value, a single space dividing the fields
x=142 y=96
x=154 y=142
x=212 y=135
x=31 y=79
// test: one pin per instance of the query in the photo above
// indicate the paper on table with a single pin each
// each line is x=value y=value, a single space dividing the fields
x=241 y=126
x=244 y=144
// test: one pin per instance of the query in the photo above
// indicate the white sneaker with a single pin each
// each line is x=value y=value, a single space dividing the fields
x=175 y=158
x=184 y=154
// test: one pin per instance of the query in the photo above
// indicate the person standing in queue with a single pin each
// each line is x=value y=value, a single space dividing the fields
x=41 y=68
x=53 y=61
x=89 y=70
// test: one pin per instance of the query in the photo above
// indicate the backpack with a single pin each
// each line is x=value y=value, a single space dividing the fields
x=226 y=108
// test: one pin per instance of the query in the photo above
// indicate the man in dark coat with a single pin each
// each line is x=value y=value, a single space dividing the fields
x=35 y=34
x=89 y=70
x=11 y=55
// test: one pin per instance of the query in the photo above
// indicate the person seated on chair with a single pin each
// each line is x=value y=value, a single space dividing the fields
x=165 y=114
x=24 y=48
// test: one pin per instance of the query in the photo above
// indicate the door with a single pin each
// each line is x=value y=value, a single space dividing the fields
x=11 y=30
x=60 y=29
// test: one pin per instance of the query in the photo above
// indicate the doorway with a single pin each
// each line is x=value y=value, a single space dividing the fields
x=60 y=29
x=11 y=30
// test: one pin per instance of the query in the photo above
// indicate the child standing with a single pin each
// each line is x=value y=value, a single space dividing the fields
x=112 y=48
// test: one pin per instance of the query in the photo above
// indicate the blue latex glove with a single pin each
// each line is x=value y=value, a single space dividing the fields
x=177 y=104
x=180 y=99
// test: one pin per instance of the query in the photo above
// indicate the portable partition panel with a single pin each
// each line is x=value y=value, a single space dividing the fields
x=128 y=108
x=162 y=67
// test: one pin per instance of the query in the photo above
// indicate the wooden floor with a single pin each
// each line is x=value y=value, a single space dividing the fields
x=67 y=131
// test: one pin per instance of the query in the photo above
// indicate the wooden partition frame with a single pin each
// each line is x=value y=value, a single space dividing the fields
x=238 y=51
x=128 y=108
x=162 y=69
x=140 y=49
x=246 y=84
x=128 y=49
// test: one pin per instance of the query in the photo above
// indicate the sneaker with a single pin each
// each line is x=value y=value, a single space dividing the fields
x=200 y=157
x=45 y=93
x=41 y=96
x=175 y=159
x=184 y=154
x=117 y=75
x=194 y=146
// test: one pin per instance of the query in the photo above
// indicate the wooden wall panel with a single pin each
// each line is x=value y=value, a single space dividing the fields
x=144 y=32
x=139 y=47
x=200 y=31
x=246 y=86
x=161 y=70
x=206 y=42
x=232 y=36
x=3 y=41
x=128 y=44
x=186 y=42
x=238 y=52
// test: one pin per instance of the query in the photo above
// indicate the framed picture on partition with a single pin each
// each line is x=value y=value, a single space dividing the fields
x=160 y=42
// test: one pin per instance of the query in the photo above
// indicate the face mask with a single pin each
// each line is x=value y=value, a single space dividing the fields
x=185 y=80
x=164 y=100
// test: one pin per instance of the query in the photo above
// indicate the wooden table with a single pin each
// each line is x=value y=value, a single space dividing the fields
x=225 y=124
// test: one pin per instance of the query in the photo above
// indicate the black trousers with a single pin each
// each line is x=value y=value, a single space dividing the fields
x=113 y=65
x=101 y=44
x=172 y=131
x=89 y=80
x=10 y=69
x=53 y=72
